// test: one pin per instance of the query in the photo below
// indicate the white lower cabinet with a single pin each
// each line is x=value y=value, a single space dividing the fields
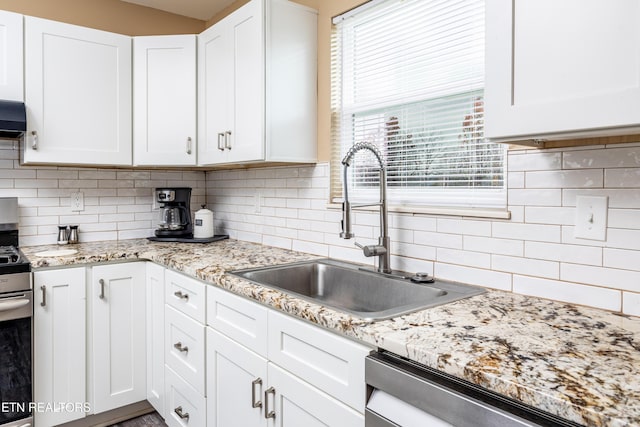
x=118 y=347
x=185 y=406
x=59 y=343
x=155 y=336
x=306 y=376
x=184 y=350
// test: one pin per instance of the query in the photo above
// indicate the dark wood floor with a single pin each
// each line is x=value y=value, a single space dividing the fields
x=149 y=420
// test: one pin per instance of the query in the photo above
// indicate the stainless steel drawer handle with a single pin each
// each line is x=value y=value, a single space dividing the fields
x=189 y=145
x=220 y=144
x=180 y=295
x=183 y=415
x=267 y=413
x=43 y=303
x=178 y=346
x=254 y=383
x=101 y=281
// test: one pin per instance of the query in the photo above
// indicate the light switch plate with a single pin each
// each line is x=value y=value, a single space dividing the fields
x=591 y=217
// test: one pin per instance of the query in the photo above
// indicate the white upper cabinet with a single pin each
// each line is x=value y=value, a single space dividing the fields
x=257 y=85
x=11 y=58
x=164 y=100
x=78 y=95
x=561 y=69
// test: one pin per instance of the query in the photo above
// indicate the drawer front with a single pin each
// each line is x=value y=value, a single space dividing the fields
x=332 y=363
x=184 y=348
x=185 y=294
x=238 y=318
x=185 y=406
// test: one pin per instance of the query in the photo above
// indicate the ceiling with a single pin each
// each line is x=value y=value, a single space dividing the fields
x=198 y=9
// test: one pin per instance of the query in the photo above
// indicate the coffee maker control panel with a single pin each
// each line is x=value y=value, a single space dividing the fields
x=165 y=196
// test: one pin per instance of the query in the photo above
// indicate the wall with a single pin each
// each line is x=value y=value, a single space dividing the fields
x=109 y=15
x=534 y=253
x=118 y=202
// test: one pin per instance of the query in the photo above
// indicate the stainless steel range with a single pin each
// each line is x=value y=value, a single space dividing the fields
x=16 y=326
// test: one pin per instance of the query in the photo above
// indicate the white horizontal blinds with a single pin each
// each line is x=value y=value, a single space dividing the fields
x=409 y=77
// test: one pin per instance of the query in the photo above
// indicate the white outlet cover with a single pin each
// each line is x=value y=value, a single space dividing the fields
x=77 y=201
x=591 y=217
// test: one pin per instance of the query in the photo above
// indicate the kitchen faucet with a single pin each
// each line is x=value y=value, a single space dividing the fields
x=382 y=249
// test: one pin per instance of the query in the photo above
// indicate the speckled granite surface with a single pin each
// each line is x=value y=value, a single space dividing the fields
x=579 y=363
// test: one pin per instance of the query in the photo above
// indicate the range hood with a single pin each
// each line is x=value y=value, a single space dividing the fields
x=13 y=119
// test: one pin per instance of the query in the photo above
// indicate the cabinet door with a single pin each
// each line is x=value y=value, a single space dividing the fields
x=78 y=94
x=296 y=403
x=118 y=334
x=246 y=26
x=155 y=336
x=556 y=67
x=59 y=342
x=164 y=100
x=11 y=74
x=236 y=381
x=231 y=77
x=215 y=76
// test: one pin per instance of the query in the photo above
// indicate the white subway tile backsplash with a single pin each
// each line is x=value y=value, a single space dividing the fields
x=534 y=232
x=471 y=259
x=588 y=178
x=601 y=276
x=493 y=245
x=618 y=198
x=631 y=303
x=624 y=218
x=534 y=197
x=528 y=266
x=564 y=252
x=622 y=178
x=464 y=226
x=532 y=161
x=574 y=293
x=621 y=258
x=608 y=158
x=549 y=215
x=473 y=276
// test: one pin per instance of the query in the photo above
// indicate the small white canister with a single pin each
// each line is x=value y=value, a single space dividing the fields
x=203 y=224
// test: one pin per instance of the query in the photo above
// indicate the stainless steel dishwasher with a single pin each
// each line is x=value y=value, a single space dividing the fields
x=403 y=393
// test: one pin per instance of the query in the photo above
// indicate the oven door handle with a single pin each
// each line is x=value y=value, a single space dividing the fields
x=13 y=304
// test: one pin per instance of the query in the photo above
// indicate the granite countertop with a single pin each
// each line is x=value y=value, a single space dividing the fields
x=579 y=363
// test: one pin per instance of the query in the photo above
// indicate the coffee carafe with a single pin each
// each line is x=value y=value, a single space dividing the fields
x=175 y=212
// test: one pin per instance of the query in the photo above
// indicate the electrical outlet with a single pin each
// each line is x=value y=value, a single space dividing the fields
x=591 y=217
x=77 y=201
x=257 y=202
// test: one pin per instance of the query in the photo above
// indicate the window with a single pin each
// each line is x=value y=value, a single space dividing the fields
x=408 y=76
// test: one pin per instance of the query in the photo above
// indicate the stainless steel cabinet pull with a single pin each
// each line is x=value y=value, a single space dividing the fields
x=101 y=281
x=220 y=137
x=267 y=413
x=183 y=415
x=180 y=295
x=34 y=140
x=227 y=140
x=254 y=383
x=179 y=347
x=189 y=145
x=43 y=303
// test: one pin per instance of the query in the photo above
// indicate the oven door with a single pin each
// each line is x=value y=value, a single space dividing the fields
x=16 y=312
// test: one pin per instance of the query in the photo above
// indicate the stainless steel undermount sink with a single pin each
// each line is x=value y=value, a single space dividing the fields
x=363 y=293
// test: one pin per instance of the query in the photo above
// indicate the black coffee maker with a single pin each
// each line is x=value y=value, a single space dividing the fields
x=175 y=213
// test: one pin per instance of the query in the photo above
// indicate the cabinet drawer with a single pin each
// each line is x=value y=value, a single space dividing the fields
x=185 y=294
x=184 y=348
x=182 y=399
x=332 y=363
x=238 y=318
